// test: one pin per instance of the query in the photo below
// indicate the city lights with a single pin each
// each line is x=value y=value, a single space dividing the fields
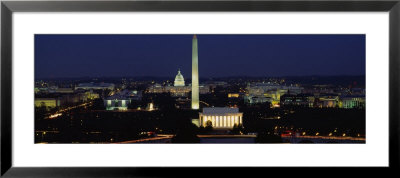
x=201 y=89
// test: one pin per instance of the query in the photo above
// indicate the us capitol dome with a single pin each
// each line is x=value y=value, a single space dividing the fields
x=179 y=81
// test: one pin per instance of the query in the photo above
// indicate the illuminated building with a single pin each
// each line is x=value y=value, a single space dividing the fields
x=275 y=95
x=195 y=75
x=258 y=99
x=328 y=101
x=233 y=95
x=263 y=91
x=121 y=100
x=176 y=91
x=357 y=101
x=214 y=84
x=116 y=103
x=261 y=88
x=134 y=95
x=47 y=102
x=179 y=89
x=221 y=117
x=305 y=100
x=173 y=90
x=179 y=81
x=90 y=95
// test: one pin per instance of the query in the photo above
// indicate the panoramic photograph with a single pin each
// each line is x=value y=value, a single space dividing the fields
x=200 y=88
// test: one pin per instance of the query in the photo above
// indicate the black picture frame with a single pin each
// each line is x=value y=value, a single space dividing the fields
x=8 y=7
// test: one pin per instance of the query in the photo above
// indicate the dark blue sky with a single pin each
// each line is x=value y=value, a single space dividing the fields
x=219 y=55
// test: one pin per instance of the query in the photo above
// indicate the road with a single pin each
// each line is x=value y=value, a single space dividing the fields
x=161 y=137
x=61 y=111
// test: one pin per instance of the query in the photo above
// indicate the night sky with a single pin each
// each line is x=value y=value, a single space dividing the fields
x=68 y=56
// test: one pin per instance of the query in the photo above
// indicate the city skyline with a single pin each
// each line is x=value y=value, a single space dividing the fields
x=232 y=110
x=221 y=55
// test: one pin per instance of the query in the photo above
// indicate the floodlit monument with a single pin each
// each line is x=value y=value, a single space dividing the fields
x=195 y=74
x=221 y=117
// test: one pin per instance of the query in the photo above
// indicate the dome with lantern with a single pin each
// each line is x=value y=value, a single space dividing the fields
x=179 y=81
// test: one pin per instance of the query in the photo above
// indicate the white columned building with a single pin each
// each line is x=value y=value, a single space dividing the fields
x=221 y=117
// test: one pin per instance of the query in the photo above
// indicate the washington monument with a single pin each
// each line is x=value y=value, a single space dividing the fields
x=195 y=74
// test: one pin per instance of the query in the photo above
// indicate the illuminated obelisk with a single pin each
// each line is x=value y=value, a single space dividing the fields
x=195 y=74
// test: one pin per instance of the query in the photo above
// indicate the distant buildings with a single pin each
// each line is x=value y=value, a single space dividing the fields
x=356 y=101
x=178 y=90
x=324 y=101
x=280 y=95
x=60 y=90
x=221 y=117
x=258 y=99
x=268 y=92
x=60 y=99
x=305 y=100
x=328 y=101
x=95 y=86
x=47 y=102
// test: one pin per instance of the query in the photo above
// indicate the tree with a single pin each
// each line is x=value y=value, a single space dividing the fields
x=187 y=134
x=209 y=126
x=98 y=104
x=237 y=129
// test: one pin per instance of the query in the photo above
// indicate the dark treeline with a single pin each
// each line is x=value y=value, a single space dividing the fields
x=110 y=126
x=309 y=120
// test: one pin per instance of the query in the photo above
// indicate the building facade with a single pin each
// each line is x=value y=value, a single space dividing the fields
x=221 y=117
x=179 y=80
x=349 y=102
x=116 y=103
x=47 y=102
